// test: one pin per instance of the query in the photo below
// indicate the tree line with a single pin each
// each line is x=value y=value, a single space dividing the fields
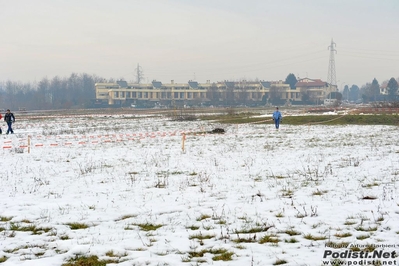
x=370 y=92
x=78 y=91
x=75 y=91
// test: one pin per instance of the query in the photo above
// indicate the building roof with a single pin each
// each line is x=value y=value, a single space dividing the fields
x=122 y=83
x=230 y=84
x=193 y=84
x=156 y=84
x=311 y=83
x=265 y=84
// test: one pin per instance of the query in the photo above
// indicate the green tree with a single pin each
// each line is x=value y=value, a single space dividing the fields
x=354 y=93
x=375 y=89
x=345 y=92
x=291 y=79
x=275 y=95
x=392 y=89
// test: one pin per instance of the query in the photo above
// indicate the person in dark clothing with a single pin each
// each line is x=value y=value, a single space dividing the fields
x=9 y=118
x=0 y=127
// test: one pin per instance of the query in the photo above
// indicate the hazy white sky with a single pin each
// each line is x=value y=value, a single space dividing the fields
x=199 y=39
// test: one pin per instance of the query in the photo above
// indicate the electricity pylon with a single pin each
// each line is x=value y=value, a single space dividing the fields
x=139 y=74
x=332 y=78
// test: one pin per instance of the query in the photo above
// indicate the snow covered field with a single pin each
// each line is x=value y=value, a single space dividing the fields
x=122 y=188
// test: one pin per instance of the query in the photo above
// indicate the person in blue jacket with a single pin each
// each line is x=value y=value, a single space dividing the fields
x=277 y=118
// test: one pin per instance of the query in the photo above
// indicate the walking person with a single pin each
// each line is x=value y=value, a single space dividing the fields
x=9 y=118
x=277 y=118
x=0 y=126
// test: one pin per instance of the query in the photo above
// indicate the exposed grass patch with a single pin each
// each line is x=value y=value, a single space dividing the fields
x=314 y=238
x=226 y=256
x=192 y=227
x=319 y=192
x=280 y=262
x=351 y=119
x=30 y=247
x=177 y=173
x=29 y=228
x=292 y=240
x=342 y=235
x=12 y=250
x=88 y=261
x=232 y=118
x=5 y=218
x=272 y=238
x=126 y=216
x=114 y=255
x=369 y=198
x=203 y=217
x=18 y=227
x=291 y=232
x=3 y=259
x=362 y=237
x=258 y=179
x=245 y=239
x=149 y=226
x=40 y=253
x=40 y=230
x=64 y=237
x=220 y=254
x=252 y=230
x=371 y=185
x=221 y=221
x=347 y=222
x=368 y=229
x=76 y=226
x=288 y=193
x=200 y=236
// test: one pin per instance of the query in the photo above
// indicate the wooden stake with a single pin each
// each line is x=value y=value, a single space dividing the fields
x=183 y=140
x=28 y=143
